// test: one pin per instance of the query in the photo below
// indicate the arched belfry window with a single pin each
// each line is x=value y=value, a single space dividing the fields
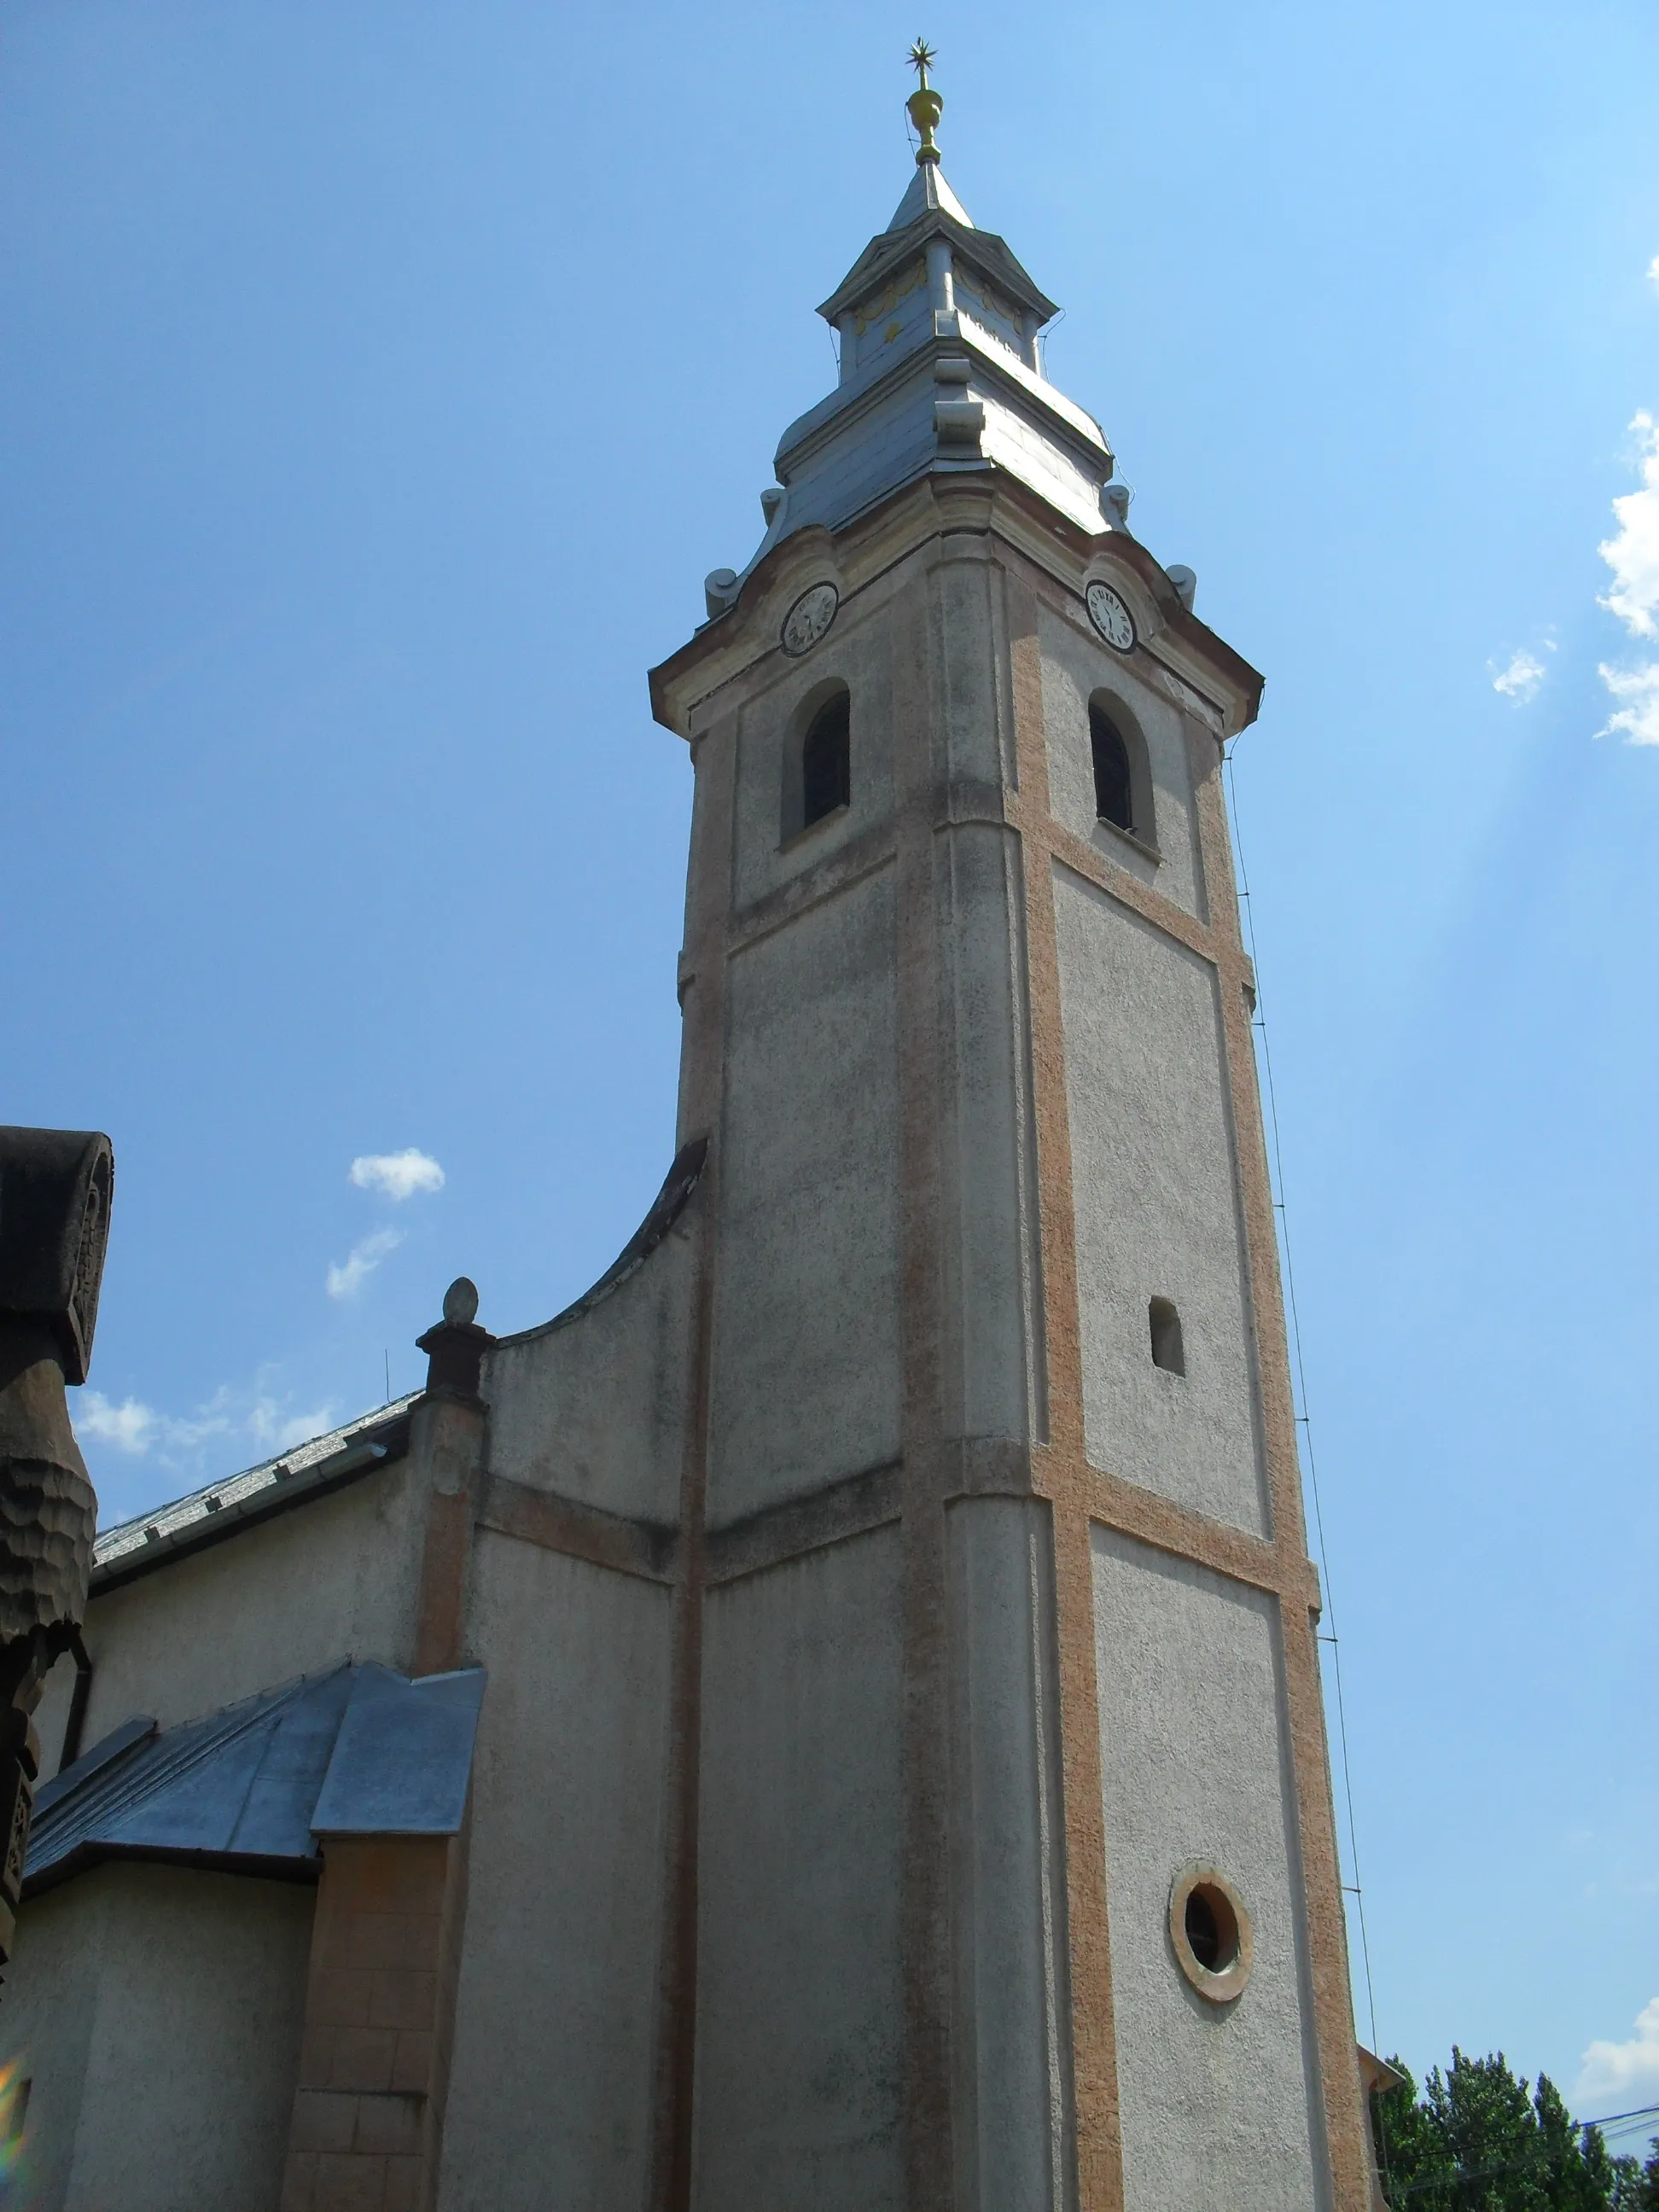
x=1114 y=792
x=826 y=759
x=1168 y=1351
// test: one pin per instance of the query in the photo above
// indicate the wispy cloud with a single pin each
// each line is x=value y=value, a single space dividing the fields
x=1617 y=2077
x=130 y=1426
x=1636 y=717
x=257 y=1416
x=276 y=1430
x=398 y=1175
x=1653 y=270
x=344 y=1281
x=1520 y=680
x=1632 y=554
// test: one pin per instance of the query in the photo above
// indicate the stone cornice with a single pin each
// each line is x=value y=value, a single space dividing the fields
x=989 y=501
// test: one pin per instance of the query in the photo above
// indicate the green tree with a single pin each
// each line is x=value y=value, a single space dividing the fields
x=1636 y=2188
x=1477 y=2139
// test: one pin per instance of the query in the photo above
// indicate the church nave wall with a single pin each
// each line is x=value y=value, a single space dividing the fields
x=294 y=1595
x=556 y=2015
x=160 y=2020
x=594 y=1407
x=801 y=2014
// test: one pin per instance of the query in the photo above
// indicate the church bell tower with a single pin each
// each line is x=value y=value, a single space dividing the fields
x=1002 y=1864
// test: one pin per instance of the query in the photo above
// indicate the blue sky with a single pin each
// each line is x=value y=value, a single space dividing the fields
x=376 y=387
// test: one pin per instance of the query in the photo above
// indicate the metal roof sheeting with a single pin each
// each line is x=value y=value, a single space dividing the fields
x=404 y=1756
x=360 y=1750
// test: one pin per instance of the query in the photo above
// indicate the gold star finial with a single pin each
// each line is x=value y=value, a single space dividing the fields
x=925 y=104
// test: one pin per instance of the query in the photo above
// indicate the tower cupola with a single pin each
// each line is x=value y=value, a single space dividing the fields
x=941 y=370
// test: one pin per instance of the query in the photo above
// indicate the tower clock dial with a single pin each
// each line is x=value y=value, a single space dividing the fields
x=808 y=619
x=1110 y=617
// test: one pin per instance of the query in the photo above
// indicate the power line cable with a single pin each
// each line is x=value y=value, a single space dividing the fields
x=1257 y=1024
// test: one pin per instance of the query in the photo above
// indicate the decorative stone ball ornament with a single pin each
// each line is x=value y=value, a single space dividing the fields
x=1210 y=1932
x=808 y=619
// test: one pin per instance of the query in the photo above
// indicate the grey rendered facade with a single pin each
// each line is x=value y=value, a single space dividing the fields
x=874 y=1632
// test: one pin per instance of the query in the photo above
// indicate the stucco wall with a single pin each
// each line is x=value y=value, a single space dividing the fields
x=806 y=1385
x=334 y=1579
x=1075 y=665
x=1157 y=1209
x=551 y=2088
x=595 y=1409
x=992 y=1347
x=858 y=654
x=158 y=2013
x=993 y=1335
x=800 y=2096
x=1216 y=2102
x=1008 y=1879
x=51 y=1715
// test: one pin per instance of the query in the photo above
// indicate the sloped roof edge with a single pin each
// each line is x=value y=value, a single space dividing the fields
x=254 y=1788
x=208 y=1516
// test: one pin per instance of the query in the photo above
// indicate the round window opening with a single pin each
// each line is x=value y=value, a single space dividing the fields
x=1210 y=1932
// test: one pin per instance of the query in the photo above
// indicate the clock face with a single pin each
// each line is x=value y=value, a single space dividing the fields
x=1110 y=617
x=808 y=619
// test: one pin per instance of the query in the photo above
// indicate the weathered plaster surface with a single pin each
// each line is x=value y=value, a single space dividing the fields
x=857 y=653
x=1217 y=2101
x=1156 y=1210
x=992 y=1349
x=806 y=1353
x=801 y=2001
x=335 y=1579
x=595 y=1409
x=992 y=1301
x=550 y=2086
x=157 y=2011
x=1013 y=2089
x=1075 y=666
x=51 y=1714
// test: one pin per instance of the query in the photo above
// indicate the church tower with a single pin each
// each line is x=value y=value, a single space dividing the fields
x=1002 y=1864
x=830 y=1722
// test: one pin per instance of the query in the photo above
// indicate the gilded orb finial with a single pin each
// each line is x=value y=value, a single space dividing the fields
x=925 y=104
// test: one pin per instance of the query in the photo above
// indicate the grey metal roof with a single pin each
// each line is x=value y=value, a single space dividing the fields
x=307 y=1470
x=360 y=1750
x=927 y=191
x=403 y=1756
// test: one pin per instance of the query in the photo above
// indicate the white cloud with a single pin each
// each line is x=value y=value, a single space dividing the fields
x=398 y=1175
x=1653 y=268
x=1619 y=2077
x=130 y=1426
x=1521 y=679
x=1637 y=715
x=1634 y=554
x=344 y=1282
x=268 y=1424
x=138 y=1429
x=134 y=1427
x=1633 y=557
